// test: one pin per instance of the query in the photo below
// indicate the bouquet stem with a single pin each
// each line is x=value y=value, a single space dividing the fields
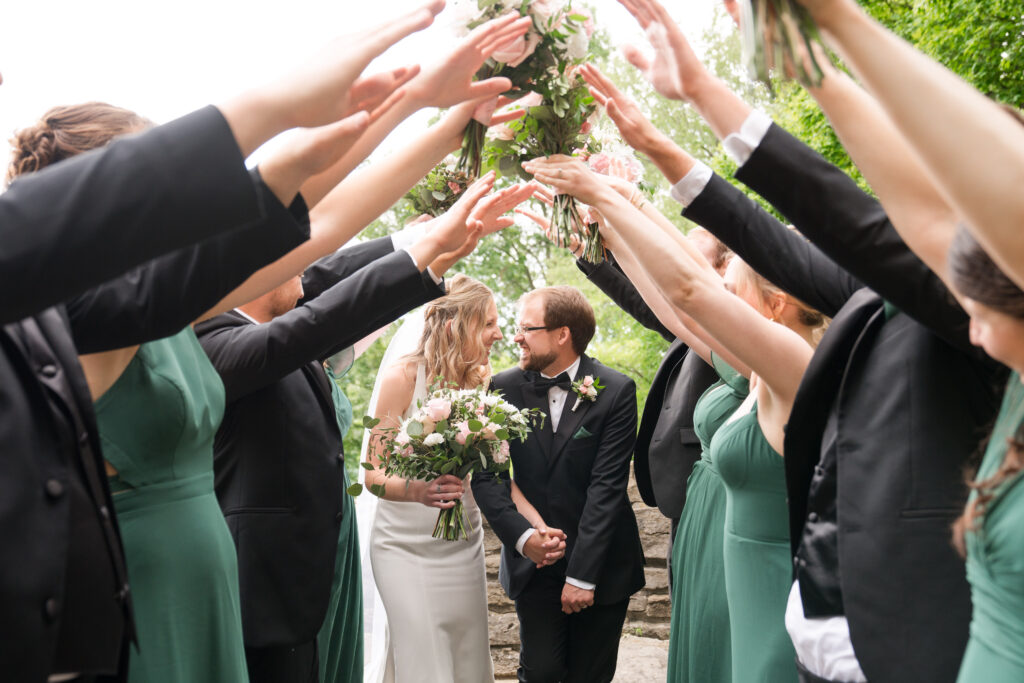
x=452 y=524
x=566 y=222
x=471 y=157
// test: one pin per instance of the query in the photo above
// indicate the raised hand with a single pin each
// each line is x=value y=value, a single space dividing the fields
x=491 y=210
x=457 y=117
x=450 y=81
x=575 y=247
x=318 y=92
x=455 y=226
x=675 y=71
x=567 y=176
x=638 y=132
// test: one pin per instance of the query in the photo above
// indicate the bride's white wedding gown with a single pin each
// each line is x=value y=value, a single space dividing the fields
x=434 y=591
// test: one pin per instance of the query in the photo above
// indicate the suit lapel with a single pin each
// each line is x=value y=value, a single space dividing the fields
x=538 y=399
x=570 y=419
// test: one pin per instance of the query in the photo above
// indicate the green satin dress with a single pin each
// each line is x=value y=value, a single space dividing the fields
x=157 y=425
x=340 y=641
x=758 y=573
x=699 y=643
x=995 y=562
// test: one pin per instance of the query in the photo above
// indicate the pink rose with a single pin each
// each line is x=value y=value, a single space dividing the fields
x=439 y=409
x=586 y=128
x=463 y=432
x=407 y=451
x=502 y=455
x=599 y=163
x=515 y=52
x=588 y=21
x=402 y=438
x=588 y=381
x=480 y=409
x=502 y=132
x=454 y=187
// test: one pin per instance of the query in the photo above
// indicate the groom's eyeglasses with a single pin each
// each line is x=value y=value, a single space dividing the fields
x=523 y=330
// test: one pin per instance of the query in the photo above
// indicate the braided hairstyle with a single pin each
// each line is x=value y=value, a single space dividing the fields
x=66 y=131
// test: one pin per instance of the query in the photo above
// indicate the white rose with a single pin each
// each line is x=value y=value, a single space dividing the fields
x=402 y=438
x=577 y=46
x=434 y=439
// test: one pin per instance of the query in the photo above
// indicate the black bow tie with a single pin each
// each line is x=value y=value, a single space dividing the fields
x=562 y=381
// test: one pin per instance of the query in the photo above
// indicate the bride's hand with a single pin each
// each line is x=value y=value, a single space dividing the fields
x=441 y=492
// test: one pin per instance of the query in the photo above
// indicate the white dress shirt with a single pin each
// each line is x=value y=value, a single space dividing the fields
x=556 y=401
x=822 y=645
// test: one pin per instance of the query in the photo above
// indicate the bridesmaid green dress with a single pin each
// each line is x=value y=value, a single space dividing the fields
x=699 y=644
x=995 y=563
x=758 y=573
x=157 y=425
x=340 y=641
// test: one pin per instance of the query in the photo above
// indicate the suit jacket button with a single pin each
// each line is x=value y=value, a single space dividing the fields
x=52 y=608
x=339 y=516
x=104 y=512
x=54 y=489
x=812 y=517
x=122 y=595
x=341 y=457
x=49 y=370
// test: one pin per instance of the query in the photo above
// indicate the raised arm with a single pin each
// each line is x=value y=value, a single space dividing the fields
x=970 y=146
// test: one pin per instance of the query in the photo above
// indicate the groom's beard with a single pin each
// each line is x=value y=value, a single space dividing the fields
x=535 y=362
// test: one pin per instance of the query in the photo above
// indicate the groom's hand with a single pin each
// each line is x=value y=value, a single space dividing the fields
x=575 y=599
x=545 y=547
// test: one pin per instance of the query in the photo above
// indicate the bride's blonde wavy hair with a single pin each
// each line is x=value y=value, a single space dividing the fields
x=452 y=325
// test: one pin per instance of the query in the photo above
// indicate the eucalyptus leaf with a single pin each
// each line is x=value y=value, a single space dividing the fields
x=475 y=425
x=370 y=422
x=414 y=428
x=367 y=466
x=355 y=489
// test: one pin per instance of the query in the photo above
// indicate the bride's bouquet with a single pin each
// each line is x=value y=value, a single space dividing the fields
x=453 y=431
x=778 y=34
x=439 y=189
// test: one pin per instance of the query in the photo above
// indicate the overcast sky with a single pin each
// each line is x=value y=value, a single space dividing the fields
x=164 y=59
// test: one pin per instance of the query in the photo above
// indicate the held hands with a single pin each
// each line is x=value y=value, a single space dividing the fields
x=440 y=493
x=545 y=546
x=576 y=599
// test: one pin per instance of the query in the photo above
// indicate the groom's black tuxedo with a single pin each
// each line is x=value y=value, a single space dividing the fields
x=576 y=477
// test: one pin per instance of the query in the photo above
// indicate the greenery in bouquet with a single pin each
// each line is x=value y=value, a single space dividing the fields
x=453 y=431
x=559 y=38
x=781 y=35
x=438 y=190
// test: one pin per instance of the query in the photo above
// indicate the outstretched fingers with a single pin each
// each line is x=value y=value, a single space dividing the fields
x=510 y=29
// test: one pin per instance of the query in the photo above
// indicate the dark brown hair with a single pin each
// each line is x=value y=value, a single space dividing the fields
x=65 y=131
x=977 y=277
x=566 y=306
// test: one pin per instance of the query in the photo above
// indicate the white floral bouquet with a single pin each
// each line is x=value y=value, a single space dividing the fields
x=454 y=431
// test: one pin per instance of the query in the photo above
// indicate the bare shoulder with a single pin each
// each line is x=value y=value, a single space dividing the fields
x=398 y=382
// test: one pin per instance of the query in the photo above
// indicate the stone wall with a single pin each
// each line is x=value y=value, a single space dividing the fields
x=649 y=610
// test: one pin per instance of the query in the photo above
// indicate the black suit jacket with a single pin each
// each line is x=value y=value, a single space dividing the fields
x=909 y=397
x=64 y=229
x=278 y=454
x=666 y=445
x=576 y=478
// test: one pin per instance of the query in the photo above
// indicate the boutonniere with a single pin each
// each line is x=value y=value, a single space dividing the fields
x=586 y=389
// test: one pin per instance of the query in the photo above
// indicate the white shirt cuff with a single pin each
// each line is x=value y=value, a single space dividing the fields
x=406 y=237
x=521 y=543
x=692 y=184
x=580 y=584
x=742 y=144
x=437 y=280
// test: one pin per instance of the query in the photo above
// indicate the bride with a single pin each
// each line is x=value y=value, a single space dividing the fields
x=434 y=591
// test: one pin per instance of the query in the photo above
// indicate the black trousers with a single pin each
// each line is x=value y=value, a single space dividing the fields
x=568 y=648
x=285 y=664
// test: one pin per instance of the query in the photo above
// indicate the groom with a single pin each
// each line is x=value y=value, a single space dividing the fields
x=574 y=470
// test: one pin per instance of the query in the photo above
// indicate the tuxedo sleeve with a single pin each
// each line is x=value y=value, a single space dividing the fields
x=250 y=357
x=609 y=479
x=333 y=268
x=161 y=297
x=770 y=248
x=493 y=495
x=852 y=228
x=610 y=279
x=86 y=220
